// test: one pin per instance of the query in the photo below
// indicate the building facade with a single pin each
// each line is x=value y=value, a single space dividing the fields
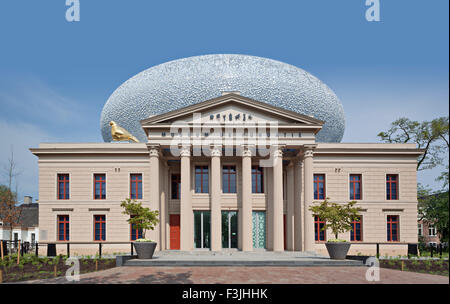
x=26 y=230
x=221 y=181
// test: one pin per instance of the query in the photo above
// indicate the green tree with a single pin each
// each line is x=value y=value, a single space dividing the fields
x=434 y=210
x=432 y=136
x=337 y=217
x=10 y=212
x=434 y=206
x=141 y=217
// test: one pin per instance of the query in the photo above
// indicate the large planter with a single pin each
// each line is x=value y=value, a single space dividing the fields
x=337 y=250
x=144 y=250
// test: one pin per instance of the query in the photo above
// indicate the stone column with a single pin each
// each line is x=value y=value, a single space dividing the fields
x=278 y=233
x=309 y=197
x=155 y=192
x=216 y=207
x=163 y=208
x=246 y=209
x=290 y=233
x=186 y=215
x=298 y=206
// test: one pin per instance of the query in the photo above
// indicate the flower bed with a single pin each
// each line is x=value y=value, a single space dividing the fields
x=439 y=267
x=35 y=268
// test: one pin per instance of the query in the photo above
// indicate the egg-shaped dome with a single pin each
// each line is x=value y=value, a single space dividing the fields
x=183 y=82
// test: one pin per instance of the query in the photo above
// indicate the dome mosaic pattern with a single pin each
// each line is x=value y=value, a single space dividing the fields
x=183 y=82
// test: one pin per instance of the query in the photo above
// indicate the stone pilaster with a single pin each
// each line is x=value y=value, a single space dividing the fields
x=309 y=197
x=155 y=199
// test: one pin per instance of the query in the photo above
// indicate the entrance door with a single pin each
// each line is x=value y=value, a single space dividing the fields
x=229 y=229
x=259 y=229
x=202 y=228
x=175 y=231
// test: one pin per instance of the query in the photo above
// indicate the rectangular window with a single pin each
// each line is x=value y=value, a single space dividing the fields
x=320 y=234
x=201 y=179
x=392 y=228
x=99 y=228
x=420 y=229
x=176 y=186
x=63 y=228
x=257 y=179
x=99 y=186
x=63 y=186
x=134 y=232
x=136 y=186
x=355 y=186
x=229 y=179
x=355 y=233
x=431 y=231
x=319 y=186
x=392 y=186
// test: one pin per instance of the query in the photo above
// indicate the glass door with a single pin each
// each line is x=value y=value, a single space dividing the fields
x=202 y=228
x=259 y=229
x=229 y=229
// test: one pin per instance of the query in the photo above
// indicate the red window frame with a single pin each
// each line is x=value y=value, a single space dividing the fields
x=258 y=172
x=226 y=173
x=389 y=183
x=353 y=183
x=102 y=183
x=137 y=232
x=176 y=178
x=317 y=222
x=63 y=179
x=316 y=184
x=63 y=219
x=137 y=179
x=353 y=231
x=392 y=219
x=204 y=170
x=100 y=219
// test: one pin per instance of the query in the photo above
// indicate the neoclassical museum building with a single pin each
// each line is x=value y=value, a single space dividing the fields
x=232 y=150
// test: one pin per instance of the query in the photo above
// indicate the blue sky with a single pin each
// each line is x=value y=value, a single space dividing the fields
x=55 y=76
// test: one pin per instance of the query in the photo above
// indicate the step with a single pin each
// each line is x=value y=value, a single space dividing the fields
x=299 y=262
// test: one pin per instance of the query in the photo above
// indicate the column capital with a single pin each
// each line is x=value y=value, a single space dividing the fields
x=247 y=150
x=308 y=150
x=185 y=150
x=154 y=150
x=216 y=150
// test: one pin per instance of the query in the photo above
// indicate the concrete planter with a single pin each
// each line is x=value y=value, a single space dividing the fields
x=337 y=251
x=144 y=250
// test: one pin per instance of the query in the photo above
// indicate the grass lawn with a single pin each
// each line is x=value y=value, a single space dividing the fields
x=34 y=268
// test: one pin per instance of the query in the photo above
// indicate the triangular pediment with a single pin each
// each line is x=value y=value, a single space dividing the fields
x=231 y=108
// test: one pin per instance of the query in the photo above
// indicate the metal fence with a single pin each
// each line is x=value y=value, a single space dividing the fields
x=13 y=247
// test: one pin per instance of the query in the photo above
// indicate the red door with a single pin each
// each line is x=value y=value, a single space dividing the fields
x=175 y=231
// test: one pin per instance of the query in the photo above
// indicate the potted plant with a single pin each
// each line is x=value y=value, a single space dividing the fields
x=143 y=219
x=339 y=219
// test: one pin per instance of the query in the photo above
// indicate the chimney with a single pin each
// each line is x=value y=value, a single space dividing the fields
x=27 y=200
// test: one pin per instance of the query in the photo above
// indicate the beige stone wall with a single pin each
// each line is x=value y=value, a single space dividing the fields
x=118 y=165
x=373 y=168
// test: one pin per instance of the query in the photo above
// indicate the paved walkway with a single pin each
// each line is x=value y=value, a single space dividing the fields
x=250 y=275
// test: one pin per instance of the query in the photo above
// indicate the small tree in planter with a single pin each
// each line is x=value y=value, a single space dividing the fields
x=339 y=219
x=143 y=219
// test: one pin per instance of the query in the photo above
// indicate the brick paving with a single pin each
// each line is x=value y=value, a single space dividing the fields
x=250 y=275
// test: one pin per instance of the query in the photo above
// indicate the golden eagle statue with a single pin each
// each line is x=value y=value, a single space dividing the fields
x=119 y=134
